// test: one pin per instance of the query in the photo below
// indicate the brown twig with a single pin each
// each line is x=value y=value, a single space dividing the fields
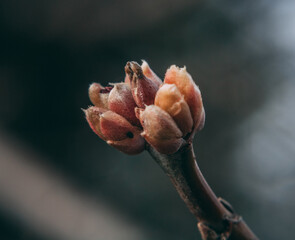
x=217 y=219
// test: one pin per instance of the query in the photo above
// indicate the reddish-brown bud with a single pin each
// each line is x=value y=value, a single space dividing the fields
x=99 y=95
x=148 y=72
x=160 y=130
x=143 y=108
x=115 y=129
x=143 y=89
x=121 y=102
x=192 y=95
x=171 y=100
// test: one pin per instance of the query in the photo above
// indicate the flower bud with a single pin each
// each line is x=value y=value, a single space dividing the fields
x=143 y=89
x=143 y=108
x=99 y=95
x=115 y=129
x=160 y=130
x=121 y=102
x=148 y=72
x=192 y=95
x=171 y=100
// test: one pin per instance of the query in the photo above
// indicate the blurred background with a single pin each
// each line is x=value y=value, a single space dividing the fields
x=58 y=180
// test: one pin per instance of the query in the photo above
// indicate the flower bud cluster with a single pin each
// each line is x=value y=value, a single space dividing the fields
x=144 y=109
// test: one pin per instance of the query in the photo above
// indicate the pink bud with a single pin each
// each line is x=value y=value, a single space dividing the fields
x=148 y=72
x=115 y=129
x=121 y=134
x=159 y=129
x=192 y=95
x=171 y=100
x=121 y=102
x=143 y=89
x=99 y=95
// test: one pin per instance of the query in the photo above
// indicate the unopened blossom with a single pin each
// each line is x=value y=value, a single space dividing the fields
x=143 y=89
x=148 y=72
x=121 y=101
x=144 y=110
x=160 y=130
x=115 y=130
x=172 y=101
x=186 y=85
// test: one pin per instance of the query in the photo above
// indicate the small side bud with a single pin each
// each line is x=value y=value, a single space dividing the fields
x=121 y=102
x=192 y=95
x=160 y=130
x=99 y=95
x=171 y=100
x=148 y=72
x=207 y=233
x=143 y=89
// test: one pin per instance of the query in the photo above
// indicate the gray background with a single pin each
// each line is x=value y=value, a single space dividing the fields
x=58 y=180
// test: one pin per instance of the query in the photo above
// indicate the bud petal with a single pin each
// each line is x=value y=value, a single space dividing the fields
x=148 y=72
x=121 y=102
x=131 y=146
x=121 y=134
x=143 y=89
x=115 y=127
x=171 y=100
x=159 y=129
x=192 y=95
x=93 y=119
x=127 y=79
x=99 y=95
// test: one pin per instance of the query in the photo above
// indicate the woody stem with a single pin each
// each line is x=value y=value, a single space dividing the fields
x=216 y=218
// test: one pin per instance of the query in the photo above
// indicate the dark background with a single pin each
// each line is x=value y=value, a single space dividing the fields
x=58 y=180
